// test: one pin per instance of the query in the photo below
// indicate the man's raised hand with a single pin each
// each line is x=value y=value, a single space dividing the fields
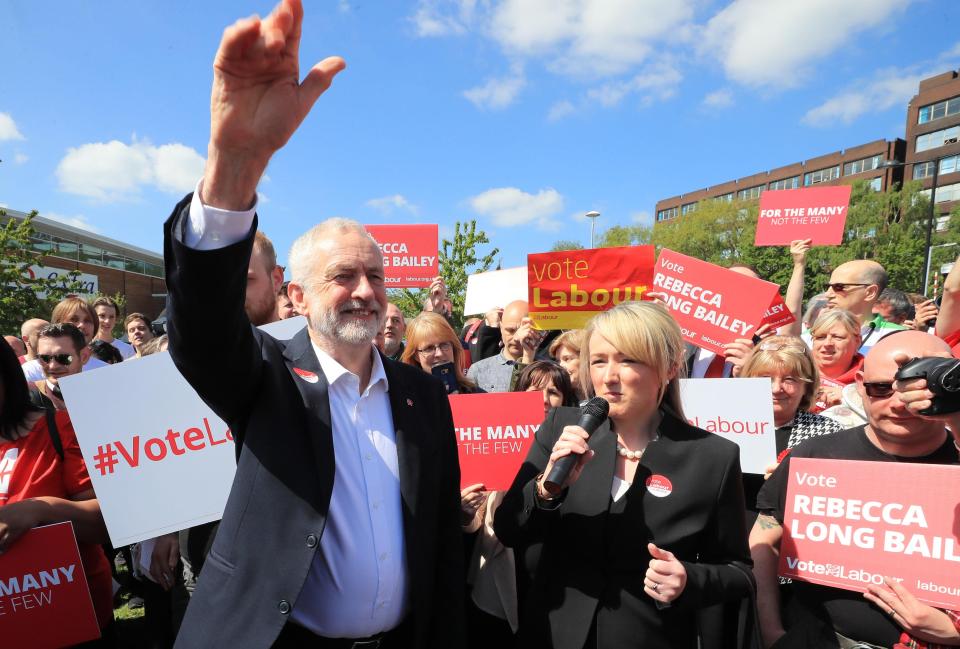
x=257 y=101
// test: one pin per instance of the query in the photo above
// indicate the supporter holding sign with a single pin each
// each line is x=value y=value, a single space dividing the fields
x=43 y=480
x=434 y=347
x=836 y=338
x=568 y=287
x=895 y=432
x=410 y=254
x=815 y=213
x=713 y=306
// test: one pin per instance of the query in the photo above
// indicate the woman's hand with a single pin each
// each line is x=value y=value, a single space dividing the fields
x=830 y=395
x=573 y=439
x=470 y=499
x=15 y=520
x=919 y=620
x=163 y=561
x=666 y=577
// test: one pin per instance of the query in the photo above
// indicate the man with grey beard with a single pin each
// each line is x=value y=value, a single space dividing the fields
x=342 y=527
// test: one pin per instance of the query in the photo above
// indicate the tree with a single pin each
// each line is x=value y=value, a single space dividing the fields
x=458 y=260
x=625 y=235
x=566 y=244
x=24 y=296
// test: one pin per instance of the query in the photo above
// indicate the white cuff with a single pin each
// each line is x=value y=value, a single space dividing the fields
x=210 y=228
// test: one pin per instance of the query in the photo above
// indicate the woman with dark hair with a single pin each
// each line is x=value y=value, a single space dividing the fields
x=553 y=380
x=644 y=530
x=46 y=481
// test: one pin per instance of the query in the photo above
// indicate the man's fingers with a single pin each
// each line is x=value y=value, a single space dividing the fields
x=239 y=37
x=319 y=79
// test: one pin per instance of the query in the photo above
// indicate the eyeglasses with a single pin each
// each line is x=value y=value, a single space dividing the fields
x=430 y=350
x=879 y=390
x=842 y=287
x=63 y=359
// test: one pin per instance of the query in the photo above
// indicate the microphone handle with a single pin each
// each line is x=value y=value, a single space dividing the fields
x=558 y=474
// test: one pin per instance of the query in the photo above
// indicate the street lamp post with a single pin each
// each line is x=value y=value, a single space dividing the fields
x=931 y=217
x=592 y=215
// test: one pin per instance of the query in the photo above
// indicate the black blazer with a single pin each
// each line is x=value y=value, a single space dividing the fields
x=593 y=560
x=276 y=512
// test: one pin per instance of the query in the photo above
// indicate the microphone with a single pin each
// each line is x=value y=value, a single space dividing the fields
x=592 y=414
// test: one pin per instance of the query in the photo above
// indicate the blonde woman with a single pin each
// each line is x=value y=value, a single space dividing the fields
x=835 y=339
x=652 y=514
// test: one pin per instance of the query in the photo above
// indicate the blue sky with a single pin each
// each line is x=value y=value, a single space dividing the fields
x=524 y=114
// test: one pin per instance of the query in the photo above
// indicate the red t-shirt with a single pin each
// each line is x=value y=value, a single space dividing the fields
x=953 y=339
x=30 y=467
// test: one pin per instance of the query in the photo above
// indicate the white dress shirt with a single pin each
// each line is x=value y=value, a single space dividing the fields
x=357 y=585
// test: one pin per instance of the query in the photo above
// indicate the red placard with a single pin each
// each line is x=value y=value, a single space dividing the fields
x=410 y=253
x=848 y=524
x=713 y=305
x=778 y=314
x=568 y=288
x=817 y=213
x=494 y=432
x=44 y=598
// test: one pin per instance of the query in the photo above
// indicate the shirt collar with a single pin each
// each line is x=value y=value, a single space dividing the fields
x=504 y=360
x=333 y=371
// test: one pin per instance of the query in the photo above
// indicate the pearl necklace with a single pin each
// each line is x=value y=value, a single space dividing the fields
x=624 y=452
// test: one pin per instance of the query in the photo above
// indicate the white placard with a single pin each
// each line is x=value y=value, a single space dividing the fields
x=740 y=410
x=90 y=284
x=159 y=459
x=496 y=288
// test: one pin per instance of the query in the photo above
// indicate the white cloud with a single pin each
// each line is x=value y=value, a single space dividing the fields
x=115 y=171
x=344 y=6
x=657 y=82
x=773 y=42
x=509 y=206
x=497 y=94
x=443 y=17
x=387 y=205
x=78 y=221
x=560 y=110
x=8 y=128
x=20 y=158
x=718 y=99
x=587 y=37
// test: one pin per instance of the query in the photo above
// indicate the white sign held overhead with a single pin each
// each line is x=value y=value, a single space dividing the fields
x=740 y=410
x=496 y=288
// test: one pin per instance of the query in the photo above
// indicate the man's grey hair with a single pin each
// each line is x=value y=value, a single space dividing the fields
x=901 y=308
x=303 y=251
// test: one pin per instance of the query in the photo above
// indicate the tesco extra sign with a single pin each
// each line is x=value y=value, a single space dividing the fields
x=90 y=285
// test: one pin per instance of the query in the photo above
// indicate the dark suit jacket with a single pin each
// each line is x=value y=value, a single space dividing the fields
x=593 y=561
x=277 y=509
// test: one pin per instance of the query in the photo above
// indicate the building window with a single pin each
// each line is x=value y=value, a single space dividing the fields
x=943 y=223
x=925 y=169
x=91 y=254
x=939 y=110
x=689 y=207
x=786 y=183
x=113 y=260
x=859 y=166
x=821 y=176
x=750 y=193
x=945 y=193
x=726 y=198
x=936 y=139
x=876 y=184
x=667 y=214
x=154 y=270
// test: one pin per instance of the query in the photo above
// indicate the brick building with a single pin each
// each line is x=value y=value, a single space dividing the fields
x=932 y=133
x=107 y=266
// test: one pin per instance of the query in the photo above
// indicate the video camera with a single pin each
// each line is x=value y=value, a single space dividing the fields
x=943 y=379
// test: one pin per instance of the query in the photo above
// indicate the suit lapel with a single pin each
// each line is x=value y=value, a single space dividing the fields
x=597 y=479
x=403 y=405
x=304 y=367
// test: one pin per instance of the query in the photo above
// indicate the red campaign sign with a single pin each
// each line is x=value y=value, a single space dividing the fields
x=817 y=213
x=849 y=524
x=713 y=305
x=778 y=314
x=568 y=288
x=44 y=598
x=410 y=253
x=494 y=432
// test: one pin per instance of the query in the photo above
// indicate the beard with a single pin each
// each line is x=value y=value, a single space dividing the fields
x=339 y=327
x=391 y=345
x=261 y=309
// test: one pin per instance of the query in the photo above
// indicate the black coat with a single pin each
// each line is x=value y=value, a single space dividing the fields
x=277 y=509
x=595 y=551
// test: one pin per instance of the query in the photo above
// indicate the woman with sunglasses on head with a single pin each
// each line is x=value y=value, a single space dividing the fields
x=45 y=481
x=835 y=337
x=644 y=531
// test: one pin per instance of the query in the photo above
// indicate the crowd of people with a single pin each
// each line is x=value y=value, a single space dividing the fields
x=346 y=525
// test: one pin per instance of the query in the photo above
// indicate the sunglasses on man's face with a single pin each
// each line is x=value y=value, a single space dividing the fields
x=63 y=359
x=879 y=390
x=843 y=287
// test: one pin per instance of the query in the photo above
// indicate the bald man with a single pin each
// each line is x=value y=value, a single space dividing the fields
x=493 y=374
x=856 y=286
x=893 y=433
x=28 y=334
x=18 y=347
